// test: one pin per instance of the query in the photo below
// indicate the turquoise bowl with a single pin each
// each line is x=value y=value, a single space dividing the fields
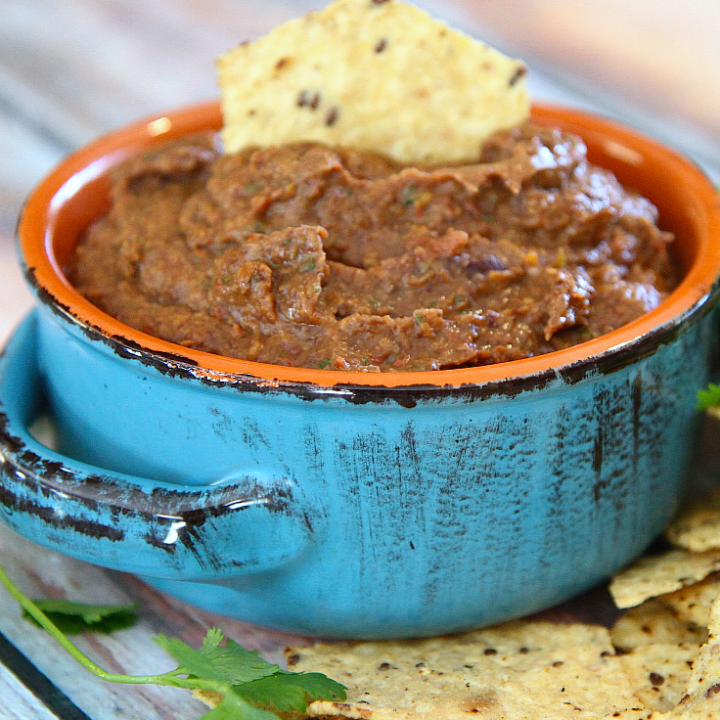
x=351 y=505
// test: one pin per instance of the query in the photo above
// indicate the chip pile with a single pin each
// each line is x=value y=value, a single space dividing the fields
x=669 y=633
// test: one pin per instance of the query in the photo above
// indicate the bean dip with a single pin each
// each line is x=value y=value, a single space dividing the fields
x=326 y=258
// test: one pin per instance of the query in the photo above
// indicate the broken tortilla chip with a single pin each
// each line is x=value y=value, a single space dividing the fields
x=376 y=75
x=517 y=670
x=659 y=673
x=698 y=527
x=660 y=574
x=654 y=622
x=693 y=603
x=702 y=698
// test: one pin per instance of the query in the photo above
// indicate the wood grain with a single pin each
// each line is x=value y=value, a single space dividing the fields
x=18 y=703
x=41 y=573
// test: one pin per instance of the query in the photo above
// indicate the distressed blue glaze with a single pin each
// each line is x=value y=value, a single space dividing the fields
x=336 y=518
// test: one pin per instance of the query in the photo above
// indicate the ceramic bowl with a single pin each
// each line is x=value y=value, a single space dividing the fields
x=349 y=504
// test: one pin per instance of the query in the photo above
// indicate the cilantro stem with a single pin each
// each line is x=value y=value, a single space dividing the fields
x=47 y=624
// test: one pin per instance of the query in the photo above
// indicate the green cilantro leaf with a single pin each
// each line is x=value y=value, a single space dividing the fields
x=409 y=196
x=74 y=617
x=709 y=397
x=230 y=663
x=233 y=707
x=287 y=691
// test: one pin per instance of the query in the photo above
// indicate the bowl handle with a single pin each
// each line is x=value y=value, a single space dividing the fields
x=147 y=527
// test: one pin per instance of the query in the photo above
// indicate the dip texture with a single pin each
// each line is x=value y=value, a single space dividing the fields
x=308 y=256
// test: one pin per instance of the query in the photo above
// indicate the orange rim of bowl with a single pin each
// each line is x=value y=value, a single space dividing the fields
x=38 y=225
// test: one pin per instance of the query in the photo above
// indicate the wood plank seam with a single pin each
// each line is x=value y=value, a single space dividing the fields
x=38 y=684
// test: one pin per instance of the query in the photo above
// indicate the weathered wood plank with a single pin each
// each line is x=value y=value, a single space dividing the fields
x=45 y=694
x=42 y=573
x=17 y=703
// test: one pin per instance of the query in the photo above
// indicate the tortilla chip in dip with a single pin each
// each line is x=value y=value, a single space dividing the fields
x=377 y=75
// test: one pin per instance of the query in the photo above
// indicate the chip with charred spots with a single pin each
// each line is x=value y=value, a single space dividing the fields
x=698 y=527
x=666 y=669
x=655 y=622
x=518 y=670
x=701 y=700
x=379 y=76
x=659 y=673
x=669 y=637
x=657 y=575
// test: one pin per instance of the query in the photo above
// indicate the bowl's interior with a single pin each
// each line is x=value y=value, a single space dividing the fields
x=76 y=193
x=86 y=197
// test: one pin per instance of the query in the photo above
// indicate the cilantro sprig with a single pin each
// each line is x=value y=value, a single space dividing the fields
x=250 y=687
x=709 y=397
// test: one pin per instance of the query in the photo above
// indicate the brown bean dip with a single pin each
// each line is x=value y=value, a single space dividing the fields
x=306 y=256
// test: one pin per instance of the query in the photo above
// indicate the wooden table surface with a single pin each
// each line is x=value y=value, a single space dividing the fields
x=72 y=70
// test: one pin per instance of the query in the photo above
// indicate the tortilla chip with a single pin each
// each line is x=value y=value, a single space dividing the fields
x=654 y=622
x=703 y=705
x=708 y=662
x=698 y=528
x=377 y=75
x=572 y=691
x=693 y=603
x=660 y=673
x=657 y=575
x=702 y=701
x=517 y=670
